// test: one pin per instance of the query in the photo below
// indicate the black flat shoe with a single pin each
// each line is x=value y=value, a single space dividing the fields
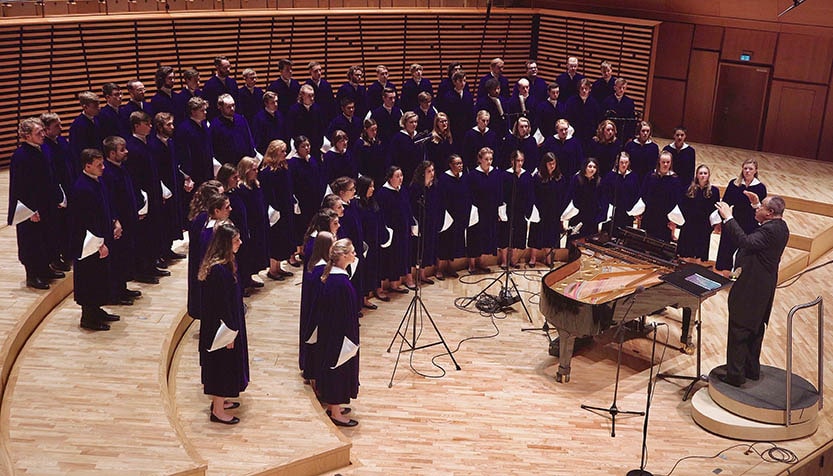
x=234 y=420
x=426 y=281
x=440 y=277
x=381 y=298
x=285 y=274
x=173 y=255
x=452 y=274
x=37 y=283
x=95 y=326
x=295 y=264
x=146 y=279
x=122 y=301
x=254 y=284
x=370 y=306
x=344 y=411
x=412 y=287
x=230 y=407
x=273 y=277
x=399 y=290
x=348 y=424
x=160 y=272
x=132 y=293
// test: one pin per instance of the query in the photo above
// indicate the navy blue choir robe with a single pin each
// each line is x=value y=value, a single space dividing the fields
x=172 y=208
x=569 y=153
x=547 y=114
x=307 y=121
x=504 y=86
x=181 y=103
x=129 y=108
x=192 y=143
x=622 y=192
x=388 y=121
x=351 y=228
x=214 y=88
x=473 y=140
x=32 y=182
x=256 y=256
x=308 y=185
x=425 y=119
x=743 y=213
x=409 y=101
x=90 y=211
x=287 y=92
x=684 y=162
x=249 y=102
x=445 y=86
x=602 y=89
x=550 y=200
x=145 y=173
x=373 y=232
x=486 y=191
x=528 y=145
x=124 y=200
x=398 y=216
x=240 y=217
x=371 y=160
x=518 y=108
x=518 y=208
x=64 y=172
x=606 y=154
x=359 y=96
x=537 y=90
x=660 y=194
x=567 y=86
x=460 y=111
x=225 y=372
x=231 y=139
x=162 y=101
x=350 y=125
x=339 y=165
x=439 y=152
x=109 y=122
x=586 y=197
x=429 y=222
x=643 y=157
x=622 y=107
x=324 y=97
x=584 y=116
x=339 y=311
x=695 y=234
x=196 y=252
x=375 y=91
x=84 y=133
x=277 y=193
x=404 y=153
x=456 y=201
x=498 y=119
x=266 y=127
x=309 y=359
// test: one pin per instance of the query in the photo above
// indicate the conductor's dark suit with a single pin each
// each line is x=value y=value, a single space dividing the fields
x=750 y=300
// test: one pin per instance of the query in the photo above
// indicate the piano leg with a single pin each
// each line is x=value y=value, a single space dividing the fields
x=565 y=355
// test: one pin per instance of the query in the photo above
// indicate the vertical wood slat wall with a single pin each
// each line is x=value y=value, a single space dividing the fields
x=43 y=65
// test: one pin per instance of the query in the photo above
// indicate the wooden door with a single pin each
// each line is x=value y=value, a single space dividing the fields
x=739 y=107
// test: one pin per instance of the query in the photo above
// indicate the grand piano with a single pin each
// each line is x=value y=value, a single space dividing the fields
x=607 y=282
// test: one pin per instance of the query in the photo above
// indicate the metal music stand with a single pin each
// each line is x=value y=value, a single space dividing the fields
x=701 y=283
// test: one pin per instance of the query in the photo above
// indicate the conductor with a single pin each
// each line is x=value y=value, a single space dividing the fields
x=750 y=300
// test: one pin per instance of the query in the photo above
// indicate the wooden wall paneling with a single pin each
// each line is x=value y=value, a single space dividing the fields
x=699 y=96
x=826 y=142
x=708 y=37
x=55 y=8
x=673 y=49
x=202 y=5
x=760 y=44
x=667 y=105
x=86 y=7
x=144 y=6
x=803 y=58
x=794 y=118
x=122 y=6
x=21 y=9
x=739 y=105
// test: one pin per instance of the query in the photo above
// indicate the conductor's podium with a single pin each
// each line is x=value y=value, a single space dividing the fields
x=757 y=411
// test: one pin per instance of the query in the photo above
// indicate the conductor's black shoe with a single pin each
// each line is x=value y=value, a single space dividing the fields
x=132 y=293
x=37 y=283
x=107 y=317
x=60 y=265
x=348 y=424
x=752 y=376
x=95 y=325
x=122 y=301
x=146 y=279
x=160 y=272
x=51 y=274
x=173 y=255
x=160 y=263
x=733 y=381
x=234 y=420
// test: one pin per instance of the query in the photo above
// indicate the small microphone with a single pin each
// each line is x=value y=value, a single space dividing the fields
x=576 y=228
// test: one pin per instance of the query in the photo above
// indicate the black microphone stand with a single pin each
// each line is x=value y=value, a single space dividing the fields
x=641 y=471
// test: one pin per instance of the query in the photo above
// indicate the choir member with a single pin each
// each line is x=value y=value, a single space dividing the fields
x=743 y=211
x=136 y=91
x=402 y=150
x=376 y=91
x=225 y=371
x=347 y=121
x=239 y=216
x=643 y=151
x=369 y=155
x=537 y=86
x=249 y=96
x=441 y=145
x=569 y=80
x=697 y=205
x=305 y=118
x=91 y=214
x=496 y=105
x=337 y=381
x=324 y=220
x=256 y=256
x=192 y=142
x=285 y=86
x=32 y=185
x=622 y=106
x=568 y=149
x=231 y=138
x=604 y=146
x=477 y=138
x=85 y=131
x=337 y=162
x=208 y=207
x=620 y=190
x=350 y=227
x=458 y=103
x=322 y=89
x=275 y=179
x=550 y=187
x=518 y=197
x=163 y=100
x=520 y=104
x=372 y=229
x=603 y=87
x=661 y=193
x=190 y=89
x=496 y=73
x=308 y=185
x=456 y=200
x=57 y=151
x=683 y=155
x=108 y=116
x=584 y=196
x=162 y=150
x=425 y=112
x=413 y=87
x=387 y=115
x=447 y=84
x=426 y=205
x=218 y=84
x=311 y=286
x=268 y=123
x=397 y=219
x=521 y=139
x=354 y=90
x=485 y=185
x=550 y=110
x=584 y=113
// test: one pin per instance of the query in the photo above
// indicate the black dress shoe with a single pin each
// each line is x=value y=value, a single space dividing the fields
x=399 y=290
x=132 y=293
x=381 y=298
x=160 y=272
x=274 y=277
x=160 y=263
x=426 y=281
x=95 y=325
x=348 y=424
x=107 y=317
x=733 y=381
x=121 y=301
x=254 y=284
x=752 y=376
x=51 y=274
x=234 y=420
x=60 y=265
x=370 y=306
x=173 y=255
x=146 y=279
x=37 y=283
